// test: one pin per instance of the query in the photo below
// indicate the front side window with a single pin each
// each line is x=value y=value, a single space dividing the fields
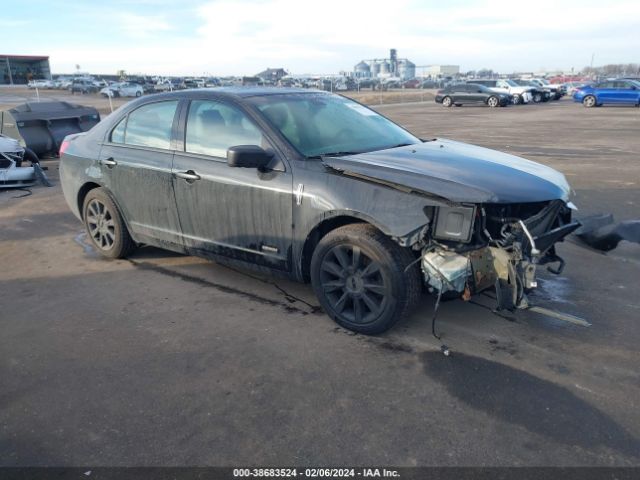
x=150 y=125
x=213 y=127
x=117 y=135
x=320 y=124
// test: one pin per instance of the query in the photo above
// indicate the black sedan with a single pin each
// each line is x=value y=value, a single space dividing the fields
x=464 y=93
x=320 y=188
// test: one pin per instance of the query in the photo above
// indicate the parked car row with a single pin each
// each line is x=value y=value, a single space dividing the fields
x=499 y=92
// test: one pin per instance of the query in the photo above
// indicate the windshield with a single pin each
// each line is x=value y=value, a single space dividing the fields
x=512 y=83
x=319 y=124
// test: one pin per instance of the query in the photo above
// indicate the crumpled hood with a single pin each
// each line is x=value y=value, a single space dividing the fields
x=457 y=172
x=9 y=145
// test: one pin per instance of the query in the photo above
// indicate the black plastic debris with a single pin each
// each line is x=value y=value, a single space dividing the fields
x=43 y=125
x=602 y=233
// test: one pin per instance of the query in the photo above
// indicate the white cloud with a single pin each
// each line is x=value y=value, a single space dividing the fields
x=141 y=26
x=243 y=37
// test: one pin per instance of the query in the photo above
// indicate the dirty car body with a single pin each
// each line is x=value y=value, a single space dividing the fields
x=320 y=188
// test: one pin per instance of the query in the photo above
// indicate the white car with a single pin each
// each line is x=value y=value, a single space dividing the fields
x=123 y=89
x=40 y=84
x=519 y=94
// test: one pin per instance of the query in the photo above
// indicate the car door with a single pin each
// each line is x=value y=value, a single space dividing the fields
x=606 y=92
x=135 y=163
x=626 y=92
x=242 y=213
x=476 y=94
x=128 y=90
x=503 y=87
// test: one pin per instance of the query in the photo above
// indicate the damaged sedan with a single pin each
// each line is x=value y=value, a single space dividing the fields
x=320 y=188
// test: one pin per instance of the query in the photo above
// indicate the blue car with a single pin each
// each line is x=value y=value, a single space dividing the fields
x=612 y=91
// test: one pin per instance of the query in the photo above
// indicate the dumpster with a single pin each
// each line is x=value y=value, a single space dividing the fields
x=42 y=126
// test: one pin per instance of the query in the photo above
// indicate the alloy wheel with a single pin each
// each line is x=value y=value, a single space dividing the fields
x=354 y=284
x=100 y=224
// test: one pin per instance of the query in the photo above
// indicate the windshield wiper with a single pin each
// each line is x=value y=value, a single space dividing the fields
x=398 y=146
x=332 y=154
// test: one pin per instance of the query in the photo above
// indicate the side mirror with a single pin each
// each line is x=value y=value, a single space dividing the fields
x=248 y=156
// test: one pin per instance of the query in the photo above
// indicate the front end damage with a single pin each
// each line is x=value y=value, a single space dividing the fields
x=12 y=172
x=473 y=248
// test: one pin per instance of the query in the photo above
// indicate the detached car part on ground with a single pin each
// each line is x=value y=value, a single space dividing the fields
x=13 y=172
x=41 y=126
x=320 y=188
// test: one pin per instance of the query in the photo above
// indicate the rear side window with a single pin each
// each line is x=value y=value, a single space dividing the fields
x=213 y=127
x=148 y=126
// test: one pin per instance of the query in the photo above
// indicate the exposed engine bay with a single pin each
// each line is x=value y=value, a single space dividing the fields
x=13 y=174
x=472 y=248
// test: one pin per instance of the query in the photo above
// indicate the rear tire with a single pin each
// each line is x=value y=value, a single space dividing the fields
x=105 y=226
x=516 y=99
x=537 y=97
x=358 y=275
x=447 y=101
x=589 y=101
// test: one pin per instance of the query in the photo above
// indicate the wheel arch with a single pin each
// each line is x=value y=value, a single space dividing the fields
x=329 y=223
x=82 y=194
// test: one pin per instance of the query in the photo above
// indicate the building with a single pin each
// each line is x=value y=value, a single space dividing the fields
x=392 y=67
x=439 y=70
x=20 y=69
x=272 y=74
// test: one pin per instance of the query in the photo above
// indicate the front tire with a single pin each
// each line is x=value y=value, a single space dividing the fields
x=104 y=224
x=358 y=275
x=589 y=101
x=493 y=101
x=516 y=99
x=447 y=102
x=537 y=97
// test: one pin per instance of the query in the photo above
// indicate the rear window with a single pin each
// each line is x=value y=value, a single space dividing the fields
x=148 y=126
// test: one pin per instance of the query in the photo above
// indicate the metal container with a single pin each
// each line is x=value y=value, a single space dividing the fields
x=41 y=126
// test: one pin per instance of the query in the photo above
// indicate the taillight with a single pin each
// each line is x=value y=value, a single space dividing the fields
x=63 y=147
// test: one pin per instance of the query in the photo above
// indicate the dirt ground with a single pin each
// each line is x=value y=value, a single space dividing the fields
x=170 y=360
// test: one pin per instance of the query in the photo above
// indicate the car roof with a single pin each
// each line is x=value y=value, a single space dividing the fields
x=244 y=92
x=231 y=92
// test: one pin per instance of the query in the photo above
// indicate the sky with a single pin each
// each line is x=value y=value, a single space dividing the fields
x=226 y=37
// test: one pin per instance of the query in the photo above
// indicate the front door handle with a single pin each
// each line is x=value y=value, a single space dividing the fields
x=109 y=162
x=189 y=175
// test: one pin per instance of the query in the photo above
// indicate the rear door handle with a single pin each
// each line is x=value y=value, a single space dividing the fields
x=189 y=175
x=109 y=162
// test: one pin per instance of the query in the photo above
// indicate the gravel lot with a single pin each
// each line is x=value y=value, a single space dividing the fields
x=171 y=360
